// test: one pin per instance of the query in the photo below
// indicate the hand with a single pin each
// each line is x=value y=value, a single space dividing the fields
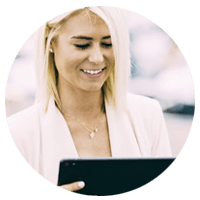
x=74 y=186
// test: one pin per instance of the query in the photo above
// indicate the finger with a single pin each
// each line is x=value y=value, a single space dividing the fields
x=74 y=186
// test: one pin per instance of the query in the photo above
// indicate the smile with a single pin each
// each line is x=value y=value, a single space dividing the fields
x=98 y=71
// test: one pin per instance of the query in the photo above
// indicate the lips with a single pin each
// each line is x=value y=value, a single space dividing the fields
x=92 y=72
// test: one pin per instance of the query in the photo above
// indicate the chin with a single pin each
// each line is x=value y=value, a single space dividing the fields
x=93 y=88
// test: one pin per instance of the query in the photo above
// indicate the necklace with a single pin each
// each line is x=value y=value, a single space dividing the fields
x=92 y=131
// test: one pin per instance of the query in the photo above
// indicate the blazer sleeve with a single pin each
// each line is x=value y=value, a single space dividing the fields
x=160 y=144
x=24 y=128
x=13 y=124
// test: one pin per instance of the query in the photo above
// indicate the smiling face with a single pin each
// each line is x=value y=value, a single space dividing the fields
x=83 y=52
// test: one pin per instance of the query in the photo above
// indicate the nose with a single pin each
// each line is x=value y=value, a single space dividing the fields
x=96 y=55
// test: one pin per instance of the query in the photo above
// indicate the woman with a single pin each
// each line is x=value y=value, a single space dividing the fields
x=82 y=108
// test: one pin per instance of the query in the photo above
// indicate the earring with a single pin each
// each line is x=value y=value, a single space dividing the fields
x=51 y=50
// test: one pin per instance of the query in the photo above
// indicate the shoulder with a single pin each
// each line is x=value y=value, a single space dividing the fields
x=149 y=123
x=142 y=103
x=24 y=121
x=24 y=127
x=143 y=109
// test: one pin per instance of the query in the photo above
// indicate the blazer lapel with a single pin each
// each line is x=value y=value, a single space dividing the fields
x=122 y=137
x=57 y=142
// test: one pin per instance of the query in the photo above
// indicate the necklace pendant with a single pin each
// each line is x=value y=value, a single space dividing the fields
x=92 y=134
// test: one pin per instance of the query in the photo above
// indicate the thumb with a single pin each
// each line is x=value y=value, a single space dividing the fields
x=74 y=186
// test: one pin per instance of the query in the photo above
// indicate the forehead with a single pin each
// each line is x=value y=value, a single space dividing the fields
x=85 y=23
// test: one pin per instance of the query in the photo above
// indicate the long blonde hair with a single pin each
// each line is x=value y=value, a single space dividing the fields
x=115 y=87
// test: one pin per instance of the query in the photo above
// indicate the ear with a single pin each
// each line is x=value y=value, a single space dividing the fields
x=51 y=48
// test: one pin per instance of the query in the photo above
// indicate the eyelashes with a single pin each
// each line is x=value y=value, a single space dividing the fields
x=82 y=46
x=106 y=44
x=85 y=46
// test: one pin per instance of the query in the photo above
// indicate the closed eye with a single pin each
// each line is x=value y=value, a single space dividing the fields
x=82 y=46
x=106 y=44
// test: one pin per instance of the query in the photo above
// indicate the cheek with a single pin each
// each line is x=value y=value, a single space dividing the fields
x=111 y=57
x=111 y=60
x=66 y=61
x=63 y=55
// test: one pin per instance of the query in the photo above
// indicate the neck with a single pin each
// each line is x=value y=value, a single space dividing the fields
x=80 y=103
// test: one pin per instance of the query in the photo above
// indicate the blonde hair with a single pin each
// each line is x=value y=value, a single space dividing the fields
x=115 y=87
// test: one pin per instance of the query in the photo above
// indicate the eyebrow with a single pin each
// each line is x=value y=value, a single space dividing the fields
x=88 y=38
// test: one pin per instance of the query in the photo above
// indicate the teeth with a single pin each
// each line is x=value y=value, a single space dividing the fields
x=92 y=71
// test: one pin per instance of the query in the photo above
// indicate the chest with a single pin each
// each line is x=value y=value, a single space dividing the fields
x=98 y=146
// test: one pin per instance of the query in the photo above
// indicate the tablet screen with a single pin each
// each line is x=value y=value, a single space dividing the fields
x=111 y=176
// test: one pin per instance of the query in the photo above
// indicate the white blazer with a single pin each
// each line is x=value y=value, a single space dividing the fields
x=44 y=138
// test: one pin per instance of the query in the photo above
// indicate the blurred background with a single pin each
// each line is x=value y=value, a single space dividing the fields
x=158 y=70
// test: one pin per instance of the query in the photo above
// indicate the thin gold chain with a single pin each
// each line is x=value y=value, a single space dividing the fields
x=82 y=123
x=91 y=130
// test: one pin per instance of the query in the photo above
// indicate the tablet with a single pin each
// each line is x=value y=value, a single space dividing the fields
x=110 y=176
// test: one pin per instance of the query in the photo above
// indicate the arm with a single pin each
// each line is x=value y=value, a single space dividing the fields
x=14 y=128
x=160 y=144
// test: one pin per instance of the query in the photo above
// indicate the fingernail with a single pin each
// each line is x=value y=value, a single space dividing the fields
x=81 y=184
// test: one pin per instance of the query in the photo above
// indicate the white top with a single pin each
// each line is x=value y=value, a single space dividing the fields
x=44 y=138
